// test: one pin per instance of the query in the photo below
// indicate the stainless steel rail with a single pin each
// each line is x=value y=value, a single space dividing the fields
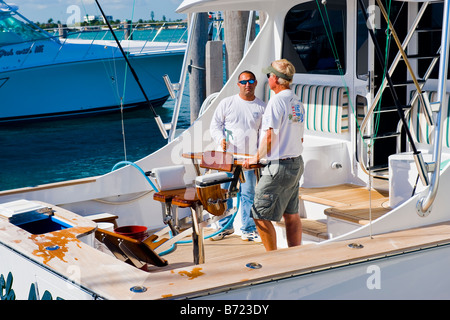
x=424 y=203
x=384 y=84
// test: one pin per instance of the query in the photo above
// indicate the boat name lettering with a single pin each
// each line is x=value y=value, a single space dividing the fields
x=39 y=49
x=23 y=51
x=6 y=53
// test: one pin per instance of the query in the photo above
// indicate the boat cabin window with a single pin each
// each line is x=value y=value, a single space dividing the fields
x=13 y=30
x=314 y=37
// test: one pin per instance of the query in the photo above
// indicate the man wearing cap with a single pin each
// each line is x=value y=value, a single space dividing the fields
x=281 y=145
x=235 y=127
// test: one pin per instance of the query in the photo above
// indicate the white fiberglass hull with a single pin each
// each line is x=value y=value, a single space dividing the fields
x=389 y=277
x=401 y=254
x=81 y=87
x=24 y=279
x=385 y=267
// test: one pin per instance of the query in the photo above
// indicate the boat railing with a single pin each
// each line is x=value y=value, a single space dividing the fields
x=425 y=202
x=400 y=55
x=145 y=33
x=140 y=31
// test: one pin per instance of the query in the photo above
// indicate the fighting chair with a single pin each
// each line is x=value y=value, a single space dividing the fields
x=207 y=194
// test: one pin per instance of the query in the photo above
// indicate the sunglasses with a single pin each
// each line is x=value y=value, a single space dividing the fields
x=244 y=82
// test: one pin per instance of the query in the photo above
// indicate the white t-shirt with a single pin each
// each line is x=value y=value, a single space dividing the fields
x=242 y=119
x=285 y=114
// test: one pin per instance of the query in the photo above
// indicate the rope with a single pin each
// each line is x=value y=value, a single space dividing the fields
x=369 y=144
x=122 y=98
x=336 y=55
x=329 y=32
x=386 y=55
x=123 y=92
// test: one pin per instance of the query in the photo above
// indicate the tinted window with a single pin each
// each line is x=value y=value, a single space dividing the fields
x=308 y=44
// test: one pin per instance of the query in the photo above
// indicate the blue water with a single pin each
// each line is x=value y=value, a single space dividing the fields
x=171 y=35
x=59 y=150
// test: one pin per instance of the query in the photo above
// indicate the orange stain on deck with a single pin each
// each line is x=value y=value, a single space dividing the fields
x=195 y=273
x=60 y=238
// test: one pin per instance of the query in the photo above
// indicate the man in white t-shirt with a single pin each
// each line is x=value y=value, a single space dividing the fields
x=281 y=144
x=234 y=127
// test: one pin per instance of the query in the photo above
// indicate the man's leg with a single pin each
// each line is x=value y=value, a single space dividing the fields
x=293 y=229
x=247 y=196
x=267 y=233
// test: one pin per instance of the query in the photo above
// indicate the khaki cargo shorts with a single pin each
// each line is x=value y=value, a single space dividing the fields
x=277 y=191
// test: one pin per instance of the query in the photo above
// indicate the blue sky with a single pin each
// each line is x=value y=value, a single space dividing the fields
x=70 y=10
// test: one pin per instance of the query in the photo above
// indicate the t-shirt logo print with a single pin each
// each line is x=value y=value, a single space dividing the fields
x=297 y=114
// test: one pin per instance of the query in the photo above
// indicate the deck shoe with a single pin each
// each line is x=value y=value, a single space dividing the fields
x=251 y=236
x=222 y=234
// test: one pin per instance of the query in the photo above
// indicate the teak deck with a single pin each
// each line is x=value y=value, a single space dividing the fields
x=226 y=261
x=349 y=202
x=341 y=195
x=229 y=248
x=224 y=272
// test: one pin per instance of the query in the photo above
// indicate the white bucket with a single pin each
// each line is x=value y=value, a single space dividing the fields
x=108 y=226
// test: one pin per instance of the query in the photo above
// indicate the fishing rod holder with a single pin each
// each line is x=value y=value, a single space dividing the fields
x=171 y=87
x=161 y=127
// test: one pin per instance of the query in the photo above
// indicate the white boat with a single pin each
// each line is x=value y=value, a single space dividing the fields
x=367 y=234
x=43 y=76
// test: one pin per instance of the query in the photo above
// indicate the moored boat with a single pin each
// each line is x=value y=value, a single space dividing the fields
x=43 y=76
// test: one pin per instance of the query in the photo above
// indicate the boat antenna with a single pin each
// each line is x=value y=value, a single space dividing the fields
x=157 y=118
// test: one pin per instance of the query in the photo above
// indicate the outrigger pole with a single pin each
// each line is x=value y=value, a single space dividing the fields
x=157 y=118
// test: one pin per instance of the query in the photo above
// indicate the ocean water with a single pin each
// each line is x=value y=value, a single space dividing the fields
x=58 y=150
x=172 y=35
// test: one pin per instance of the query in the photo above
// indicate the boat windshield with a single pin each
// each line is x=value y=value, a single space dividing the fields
x=13 y=30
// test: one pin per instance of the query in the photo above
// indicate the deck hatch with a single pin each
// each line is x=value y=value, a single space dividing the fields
x=38 y=221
